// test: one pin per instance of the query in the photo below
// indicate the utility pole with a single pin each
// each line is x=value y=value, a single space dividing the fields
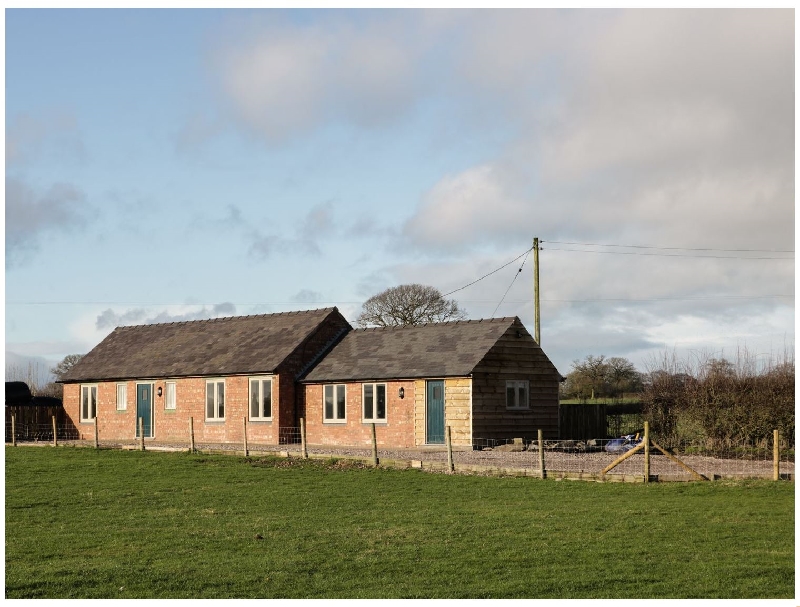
x=537 y=329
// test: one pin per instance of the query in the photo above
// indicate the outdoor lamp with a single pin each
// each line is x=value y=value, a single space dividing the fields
x=159 y=390
x=401 y=393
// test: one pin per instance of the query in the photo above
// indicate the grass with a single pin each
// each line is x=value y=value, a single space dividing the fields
x=82 y=523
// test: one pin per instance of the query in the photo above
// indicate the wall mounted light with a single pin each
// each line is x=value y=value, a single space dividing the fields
x=159 y=391
x=401 y=392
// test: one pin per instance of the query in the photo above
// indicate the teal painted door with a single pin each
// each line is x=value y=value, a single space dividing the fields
x=434 y=413
x=144 y=409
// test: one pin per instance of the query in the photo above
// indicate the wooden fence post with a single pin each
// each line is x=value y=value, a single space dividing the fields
x=55 y=432
x=303 y=447
x=374 y=447
x=541 y=454
x=776 y=461
x=13 y=430
x=646 y=452
x=450 y=467
x=191 y=434
x=246 y=450
x=96 y=435
x=141 y=434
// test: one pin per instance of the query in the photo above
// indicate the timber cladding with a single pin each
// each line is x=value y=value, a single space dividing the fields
x=457 y=400
x=515 y=357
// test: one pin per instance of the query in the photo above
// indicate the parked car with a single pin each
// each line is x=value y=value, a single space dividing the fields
x=623 y=444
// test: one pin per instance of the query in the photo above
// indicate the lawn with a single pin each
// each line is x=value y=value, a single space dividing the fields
x=125 y=524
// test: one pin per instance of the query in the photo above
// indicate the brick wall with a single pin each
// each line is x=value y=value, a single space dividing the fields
x=173 y=425
x=398 y=431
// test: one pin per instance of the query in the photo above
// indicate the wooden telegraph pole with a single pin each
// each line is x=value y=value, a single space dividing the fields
x=537 y=329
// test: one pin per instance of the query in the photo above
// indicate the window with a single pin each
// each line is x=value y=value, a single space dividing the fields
x=88 y=403
x=517 y=394
x=215 y=399
x=260 y=398
x=122 y=397
x=335 y=401
x=374 y=402
x=169 y=400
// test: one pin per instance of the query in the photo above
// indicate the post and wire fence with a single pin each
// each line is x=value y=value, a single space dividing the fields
x=636 y=458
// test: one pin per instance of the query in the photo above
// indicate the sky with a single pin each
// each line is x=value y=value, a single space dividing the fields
x=170 y=165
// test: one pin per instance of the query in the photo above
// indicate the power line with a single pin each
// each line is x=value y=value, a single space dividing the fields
x=490 y=273
x=512 y=282
x=637 y=246
x=667 y=254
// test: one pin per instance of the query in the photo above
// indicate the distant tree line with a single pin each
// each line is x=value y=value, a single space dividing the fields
x=600 y=377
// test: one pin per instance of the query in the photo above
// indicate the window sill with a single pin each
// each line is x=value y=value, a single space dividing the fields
x=260 y=420
x=215 y=421
x=170 y=411
x=377 y=422
x=335 y=422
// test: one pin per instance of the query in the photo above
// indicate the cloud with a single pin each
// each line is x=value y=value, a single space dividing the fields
x=30 y=217
x=307 y=296
x=109 y=319
x=318 y=224
x=283 y=79
x=44 y=136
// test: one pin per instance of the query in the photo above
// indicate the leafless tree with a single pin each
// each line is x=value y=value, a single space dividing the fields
x=407 y=305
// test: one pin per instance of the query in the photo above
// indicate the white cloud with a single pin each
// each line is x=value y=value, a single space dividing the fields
x=31 y=216
x=51 y=135
x=284 y=79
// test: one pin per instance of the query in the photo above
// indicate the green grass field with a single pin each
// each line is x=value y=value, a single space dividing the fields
x=124 y=524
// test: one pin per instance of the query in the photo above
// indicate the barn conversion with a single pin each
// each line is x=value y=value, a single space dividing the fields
x=486 y=379
x=483 y=378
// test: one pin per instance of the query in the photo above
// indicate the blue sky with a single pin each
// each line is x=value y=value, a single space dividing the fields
x=177 y=164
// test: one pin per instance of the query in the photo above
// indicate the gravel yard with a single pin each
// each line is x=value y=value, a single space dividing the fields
x=557 y=462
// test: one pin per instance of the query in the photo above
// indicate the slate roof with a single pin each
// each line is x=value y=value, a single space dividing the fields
x=447 y=349
x=221 y=346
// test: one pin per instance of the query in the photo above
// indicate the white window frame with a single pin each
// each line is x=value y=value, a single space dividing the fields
x=336 y=418
x=170 y=406
x=516 y=384
x=374 y=419
x=87 y=389
x=122 y=397
x=260 y=380
x=217 y=406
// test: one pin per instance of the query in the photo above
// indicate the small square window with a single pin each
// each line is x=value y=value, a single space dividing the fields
x=517 y=394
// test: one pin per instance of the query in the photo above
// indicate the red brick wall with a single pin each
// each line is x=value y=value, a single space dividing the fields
x=398 y=431
x=173 y=425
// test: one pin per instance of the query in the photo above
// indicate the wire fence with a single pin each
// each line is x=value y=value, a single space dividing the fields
x=559 y=458
x=26 y=432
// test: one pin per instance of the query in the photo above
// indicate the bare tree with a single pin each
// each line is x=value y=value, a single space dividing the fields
x=69 y=361
x=407 y=305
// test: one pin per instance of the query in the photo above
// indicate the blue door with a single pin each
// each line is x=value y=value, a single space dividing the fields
x=434 y=413
x=144 y=409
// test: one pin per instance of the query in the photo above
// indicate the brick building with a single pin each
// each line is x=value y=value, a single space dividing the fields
x=483 y=378
x=215 y=371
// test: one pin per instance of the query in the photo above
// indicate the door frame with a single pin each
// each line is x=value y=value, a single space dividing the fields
x=152 y=410
x=427 y=402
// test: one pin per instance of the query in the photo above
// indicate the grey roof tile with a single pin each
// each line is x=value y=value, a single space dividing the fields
x=447 y=349
x=221 y=346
